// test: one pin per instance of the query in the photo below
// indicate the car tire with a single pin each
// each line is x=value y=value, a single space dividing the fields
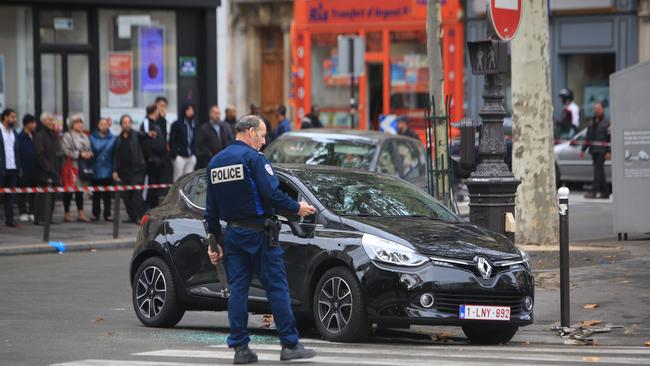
x=154 y=295
x=340 y=316
x=489 y=334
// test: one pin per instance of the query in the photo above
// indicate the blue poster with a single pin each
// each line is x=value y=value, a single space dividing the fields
x=152 y=66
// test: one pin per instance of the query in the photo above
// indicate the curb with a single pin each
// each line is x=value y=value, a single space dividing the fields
x=71 y=247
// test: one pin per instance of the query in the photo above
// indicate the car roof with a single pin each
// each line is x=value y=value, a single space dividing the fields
x=343 y=134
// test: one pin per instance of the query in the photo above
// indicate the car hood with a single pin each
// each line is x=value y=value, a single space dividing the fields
x=457 y=240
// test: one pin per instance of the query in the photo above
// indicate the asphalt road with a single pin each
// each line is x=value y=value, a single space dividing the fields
x=75 y=309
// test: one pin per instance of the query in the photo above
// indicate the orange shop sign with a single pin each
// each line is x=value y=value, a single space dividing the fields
x=363 y=11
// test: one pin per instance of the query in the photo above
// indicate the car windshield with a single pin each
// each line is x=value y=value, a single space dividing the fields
x=359 y=194
x=322 y=151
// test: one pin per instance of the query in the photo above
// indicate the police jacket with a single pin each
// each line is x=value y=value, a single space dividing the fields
x=242 y=186
x=598 y=132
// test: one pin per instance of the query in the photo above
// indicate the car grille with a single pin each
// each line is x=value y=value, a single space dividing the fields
x=450 y=303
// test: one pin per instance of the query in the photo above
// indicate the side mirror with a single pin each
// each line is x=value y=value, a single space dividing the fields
x=298 y=229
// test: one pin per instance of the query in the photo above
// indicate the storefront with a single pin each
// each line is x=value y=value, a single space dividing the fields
x=589 y=40
x=396 y=75
x=107 y=57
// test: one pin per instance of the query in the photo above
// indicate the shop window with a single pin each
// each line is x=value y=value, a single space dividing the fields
x=330 y=90
x=374 y=42
x=138 y=62
x=588 y=77
x=63 y=27
x=409 y=71
x=16 y=60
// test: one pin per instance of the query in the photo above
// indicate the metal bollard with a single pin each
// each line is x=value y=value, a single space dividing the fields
x=47 y=215
x=565 y=303
x=116 y=214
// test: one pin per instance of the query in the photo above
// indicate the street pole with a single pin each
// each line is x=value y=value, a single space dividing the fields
x=352 y=104
x=565 y=318
x=116 y=210
x=48 y=212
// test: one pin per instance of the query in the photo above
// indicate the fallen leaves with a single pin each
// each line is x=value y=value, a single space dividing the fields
x=591 y=359
x=647 y=343
x=590 y=306
x=442 y=336
x=98 y=319
x=590 y=323
x=267 y=320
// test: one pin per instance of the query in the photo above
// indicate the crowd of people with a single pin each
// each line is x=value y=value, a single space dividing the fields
x=39 y=155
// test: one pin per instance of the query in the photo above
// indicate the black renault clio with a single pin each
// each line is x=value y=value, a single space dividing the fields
x=378 y=252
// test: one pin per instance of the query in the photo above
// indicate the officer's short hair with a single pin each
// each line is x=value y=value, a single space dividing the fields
x=247 y=122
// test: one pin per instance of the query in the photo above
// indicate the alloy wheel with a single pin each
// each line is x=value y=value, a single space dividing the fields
x=335 y=304
x=151 y=292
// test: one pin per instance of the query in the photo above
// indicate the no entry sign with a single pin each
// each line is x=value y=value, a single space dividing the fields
x=505 y=16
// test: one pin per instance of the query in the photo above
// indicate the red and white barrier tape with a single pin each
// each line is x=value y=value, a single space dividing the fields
x=136 y=187
x=586 y=142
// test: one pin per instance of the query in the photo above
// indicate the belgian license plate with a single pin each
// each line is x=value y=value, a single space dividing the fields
x=481 y=312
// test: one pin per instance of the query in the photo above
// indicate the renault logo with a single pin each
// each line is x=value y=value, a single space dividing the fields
x=484 y=267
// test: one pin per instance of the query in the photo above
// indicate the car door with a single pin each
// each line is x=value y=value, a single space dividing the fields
x=572 y=168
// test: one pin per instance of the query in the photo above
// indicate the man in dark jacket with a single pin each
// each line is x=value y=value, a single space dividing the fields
x=49 y=156
x=28 y=166
x=182 y=142
x=213 y=137
x=129 y=167
x=9 y=161
x=404 y=129
x=155 y=151
x=312 y=120
x=231 y=119
x=598 y=138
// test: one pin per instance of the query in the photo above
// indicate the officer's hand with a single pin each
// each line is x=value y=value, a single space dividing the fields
x=306 y=209
x=215 y=257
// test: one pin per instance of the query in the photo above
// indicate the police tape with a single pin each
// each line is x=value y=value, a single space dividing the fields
x=586 y=142
x=121 y=188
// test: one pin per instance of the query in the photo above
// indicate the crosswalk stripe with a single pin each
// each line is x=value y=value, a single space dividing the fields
x=404 y=358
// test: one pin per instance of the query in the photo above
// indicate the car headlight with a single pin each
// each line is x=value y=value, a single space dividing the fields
x=387 y=251
x=526 y=258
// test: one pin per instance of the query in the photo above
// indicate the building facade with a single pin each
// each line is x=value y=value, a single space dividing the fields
x=107 y=57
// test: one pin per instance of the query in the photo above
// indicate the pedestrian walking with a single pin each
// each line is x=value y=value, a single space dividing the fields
x=102 y=142
x=129 y=167
x=284 y=125
x=9 y=161
x=231 y=119
x=182 y=142
x=155 y=152
x=312 y=120
x=244 y=191
x=213 y=137
x=49 y=160
x=76 y=146
x=28 y=168
x=598 y=138
x=404 y=129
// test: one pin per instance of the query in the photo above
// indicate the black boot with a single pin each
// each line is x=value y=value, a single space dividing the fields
x=244 y=355
x=296 y=352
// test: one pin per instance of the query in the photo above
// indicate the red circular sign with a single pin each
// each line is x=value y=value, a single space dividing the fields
x=505 y=16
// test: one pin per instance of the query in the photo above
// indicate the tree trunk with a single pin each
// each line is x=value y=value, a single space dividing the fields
x=436 y=88
x=533 y=160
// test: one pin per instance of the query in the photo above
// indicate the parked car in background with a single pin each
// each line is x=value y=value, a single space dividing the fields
x=372 y=151
x=569 y=168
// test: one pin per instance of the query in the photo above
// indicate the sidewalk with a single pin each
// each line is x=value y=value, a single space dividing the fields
x=76 y=236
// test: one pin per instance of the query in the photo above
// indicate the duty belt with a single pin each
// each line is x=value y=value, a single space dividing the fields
x=247 y=224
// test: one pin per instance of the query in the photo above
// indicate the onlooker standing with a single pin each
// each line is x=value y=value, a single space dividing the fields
x=167 y=174
x=182 y=142
x=76 y=147
x=284 y=125
x=231 y=119
x=598 y=138
x=154 y=150
x=256 y=110
x=49 y=155
x=9 y=161
x=28 y=167
x=129 y=167
x=213 y=137
x=161 y=120
x=102 y=142
x=404 y=129
x=312 y=120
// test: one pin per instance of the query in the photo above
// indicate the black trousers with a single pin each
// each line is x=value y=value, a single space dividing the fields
x=98 y=197
x=78 y=199
x=9 y=180
x=133 y=202
x=600 y=184
x=155 y=176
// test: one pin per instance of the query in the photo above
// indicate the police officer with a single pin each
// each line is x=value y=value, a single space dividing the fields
x=244 y=191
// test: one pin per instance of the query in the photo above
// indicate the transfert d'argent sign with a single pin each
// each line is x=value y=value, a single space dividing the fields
x=364 y=11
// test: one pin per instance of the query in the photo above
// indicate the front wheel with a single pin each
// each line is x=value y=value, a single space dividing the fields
x=338 y=307
x=489 y=334
x=154 y=295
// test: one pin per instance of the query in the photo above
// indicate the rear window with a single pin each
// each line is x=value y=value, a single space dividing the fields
x=340 y=153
